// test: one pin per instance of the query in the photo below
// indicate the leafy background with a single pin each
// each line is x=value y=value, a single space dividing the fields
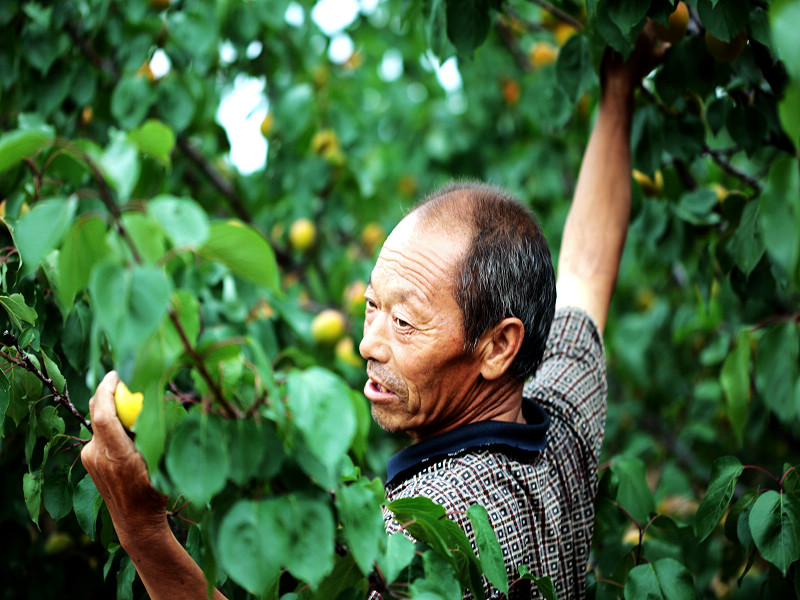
x=132 y=242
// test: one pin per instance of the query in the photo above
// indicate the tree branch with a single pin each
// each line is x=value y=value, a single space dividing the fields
x=558 y=13
x=24 y=361
x=510 y=41
x=219 y=182
x=719 y=158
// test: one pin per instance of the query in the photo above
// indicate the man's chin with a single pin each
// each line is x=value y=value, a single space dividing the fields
x=387 y=422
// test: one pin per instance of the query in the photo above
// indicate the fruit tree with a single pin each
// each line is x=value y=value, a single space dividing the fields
x=230 y=297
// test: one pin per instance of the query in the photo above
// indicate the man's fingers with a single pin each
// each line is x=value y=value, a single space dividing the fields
x=103 y=411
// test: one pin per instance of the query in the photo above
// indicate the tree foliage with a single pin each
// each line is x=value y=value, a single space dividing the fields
x=132 y=242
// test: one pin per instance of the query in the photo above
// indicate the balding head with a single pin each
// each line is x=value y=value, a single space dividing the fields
x=506 y=270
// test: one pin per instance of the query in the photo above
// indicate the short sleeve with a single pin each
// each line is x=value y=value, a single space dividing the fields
x=571 y=380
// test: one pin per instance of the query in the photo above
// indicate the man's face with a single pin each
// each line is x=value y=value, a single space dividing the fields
x=420 y=379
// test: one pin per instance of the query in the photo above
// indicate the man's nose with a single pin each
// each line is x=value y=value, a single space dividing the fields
x=374 y=344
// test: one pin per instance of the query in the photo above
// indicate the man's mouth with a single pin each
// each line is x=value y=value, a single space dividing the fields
x=375 y=391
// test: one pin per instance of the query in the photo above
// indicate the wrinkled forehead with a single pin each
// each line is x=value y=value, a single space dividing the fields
x=421 y=255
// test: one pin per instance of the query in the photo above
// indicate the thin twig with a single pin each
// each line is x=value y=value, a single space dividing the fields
x=24 y=361
x=510 y=41
x=222 y=185
x=201 y=366
x=719 y=158
x=558 y=13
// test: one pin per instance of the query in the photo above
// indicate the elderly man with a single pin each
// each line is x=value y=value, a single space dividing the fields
x=459 y=312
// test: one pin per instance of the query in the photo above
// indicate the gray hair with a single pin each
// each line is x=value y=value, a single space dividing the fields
x=507 y=270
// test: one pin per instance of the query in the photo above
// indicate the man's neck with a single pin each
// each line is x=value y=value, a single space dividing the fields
x=493 y=401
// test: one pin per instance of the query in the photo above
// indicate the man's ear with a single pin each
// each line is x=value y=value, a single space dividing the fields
x=499 y=347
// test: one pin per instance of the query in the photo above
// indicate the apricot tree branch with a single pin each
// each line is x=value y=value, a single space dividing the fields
x=719 y=158
x=558 y=13
x=24 y=361
x=222 y=185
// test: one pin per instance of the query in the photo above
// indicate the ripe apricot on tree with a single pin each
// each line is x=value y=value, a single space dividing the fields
x=542 y=53
x=302 y=234
x=562 y=32
x=511 y=91
x=128 y=404
x=328 y=327
x=146 y=71
x=345 y=351
x=677 y=25
x=726 y=51
x=267 y=124
x=372 y=235
x=650 y=186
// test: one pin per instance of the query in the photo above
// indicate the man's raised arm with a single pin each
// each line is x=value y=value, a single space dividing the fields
x=597 y=224
x=137 y=509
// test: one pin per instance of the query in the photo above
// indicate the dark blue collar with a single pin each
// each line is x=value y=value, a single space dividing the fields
x=514 y=437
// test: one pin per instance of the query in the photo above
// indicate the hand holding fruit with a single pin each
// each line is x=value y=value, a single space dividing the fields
x=128 y=405
x=117 y=468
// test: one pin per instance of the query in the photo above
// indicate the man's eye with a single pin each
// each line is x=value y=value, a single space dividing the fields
x=371 y=304
x=402 y=323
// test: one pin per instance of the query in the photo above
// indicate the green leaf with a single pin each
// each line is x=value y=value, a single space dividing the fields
x=489 y=551
x=775 y=525
x=20 y=143
x=175 y=103
x=252 y=446
x=251 y=544
x=84 y=246
x=697 y=207
x=312 y=536
x=723 y=19
x=544 y=584
x=400 y=551
x=627 y=15
x=125 y=577
x=131 y=100
x=244 y=251
x=121 y=166
x=426 y=521
x=725 y=472
x=86 y=502
x=197 y=458
x=32 y=490
x=468 y=23
x=779 y=206
x=777 y=369
x=359 y=507
x=18 y=311
x=789 y=111
x=128 y=303
x=5 y=399
x=633 y=493
x=735 y=380
x=322 y=411
x=294 y=110
x=53 y=372
x=256 y=538
x=574 y=68
x=620 y=40
x=784 y=18
x=439 y=583
x=57 y=494
x=41 y=229
x=183 y=220
x=664 y=579
x=748 y=242
x=155 y=139
x=147 y=236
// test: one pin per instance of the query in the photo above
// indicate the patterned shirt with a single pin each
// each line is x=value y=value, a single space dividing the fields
x=539 y=493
